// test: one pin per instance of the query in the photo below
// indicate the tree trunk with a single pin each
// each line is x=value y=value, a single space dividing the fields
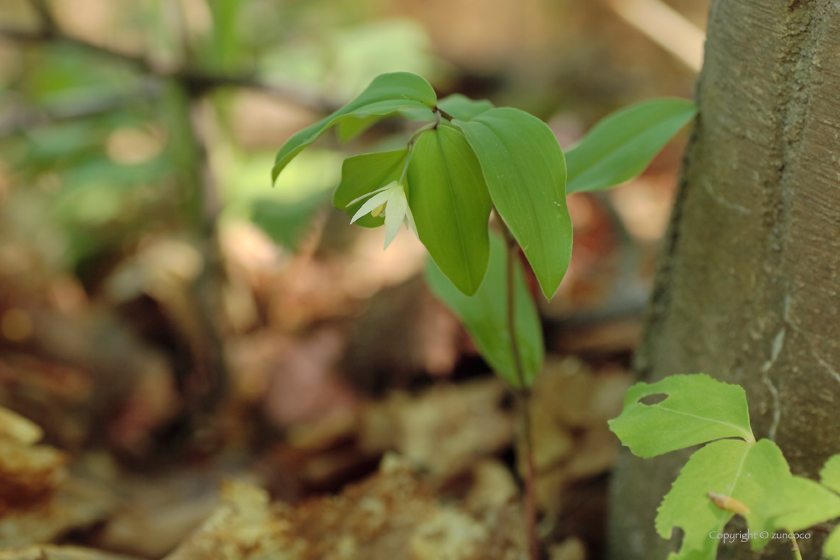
x=748 y=280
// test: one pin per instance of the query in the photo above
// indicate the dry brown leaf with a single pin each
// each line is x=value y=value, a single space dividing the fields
x=38 y=501
x=570 y=549
x=445 y=430
x=50 y=552
x=391 y=516
x=570 y=407
x=16 y=428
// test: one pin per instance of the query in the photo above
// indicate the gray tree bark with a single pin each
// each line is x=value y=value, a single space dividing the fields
x=748 y=280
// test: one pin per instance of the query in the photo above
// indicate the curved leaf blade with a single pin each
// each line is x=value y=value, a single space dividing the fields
x=526 y=176
x=697 y=409
x=622 y=145
x=386 y=94
x=485 y=315
x=364 y=174
x=451 y=206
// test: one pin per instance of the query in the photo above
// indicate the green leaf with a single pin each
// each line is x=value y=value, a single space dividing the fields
x=388 y=93
x=797 y=503
x=485 y=315
x=734 y=468
x=463 y=108
x=451 y=206
x=697 y=409
x=831 y=550
x=286 y=222
x=364 y=174
x=351 y=126
x=830 y=473
x=623 y=144
x=526 y=176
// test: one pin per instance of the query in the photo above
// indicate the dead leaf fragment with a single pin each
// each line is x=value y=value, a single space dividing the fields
x=390 y=516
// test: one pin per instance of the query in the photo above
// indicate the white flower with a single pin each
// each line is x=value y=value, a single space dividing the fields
x=389 y=201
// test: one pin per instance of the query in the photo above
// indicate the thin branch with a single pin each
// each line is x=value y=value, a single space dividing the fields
x=196 y=83
x=23 y=116
x=43 y=11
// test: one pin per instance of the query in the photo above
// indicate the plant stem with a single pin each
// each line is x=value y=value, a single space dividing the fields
x=523 y=395
x=417 y=134
x=797 y=555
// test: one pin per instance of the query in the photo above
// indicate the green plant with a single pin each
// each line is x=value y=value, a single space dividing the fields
x=732 y=474
x=469 y=160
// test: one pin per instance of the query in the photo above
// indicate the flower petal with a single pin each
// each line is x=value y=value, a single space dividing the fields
x=372 y=203
x=395 y=214
x=371 y=193
x=409 y=221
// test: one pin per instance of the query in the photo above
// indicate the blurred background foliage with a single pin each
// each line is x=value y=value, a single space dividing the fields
x=159 y=297
x=98 y=99
x=137 y=138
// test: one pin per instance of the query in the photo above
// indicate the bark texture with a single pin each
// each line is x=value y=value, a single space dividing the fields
x=748 y=280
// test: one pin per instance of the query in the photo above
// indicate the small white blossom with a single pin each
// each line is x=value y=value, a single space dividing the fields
x=391 y=202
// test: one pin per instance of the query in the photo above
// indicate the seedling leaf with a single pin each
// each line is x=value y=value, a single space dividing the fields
x=698 y=409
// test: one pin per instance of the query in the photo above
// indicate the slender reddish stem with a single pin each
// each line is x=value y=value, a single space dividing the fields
x=523 y=394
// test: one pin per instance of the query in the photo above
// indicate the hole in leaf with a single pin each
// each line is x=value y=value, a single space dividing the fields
x=677 y=535
x=650 y=400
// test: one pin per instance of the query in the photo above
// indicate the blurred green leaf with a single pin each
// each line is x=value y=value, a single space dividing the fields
x=830 y=473
x=526 y=176
x=314 y=172
x=286 y=223
x=485 y=315
x=451 y=205
x=623 y=144
x=463 y=108
x=341 y=62
x=832 y=545
x=697 y=409
x=386 y=94
x=62 y=74
x=227 y=48
x=48 y=144
x=363 y=174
